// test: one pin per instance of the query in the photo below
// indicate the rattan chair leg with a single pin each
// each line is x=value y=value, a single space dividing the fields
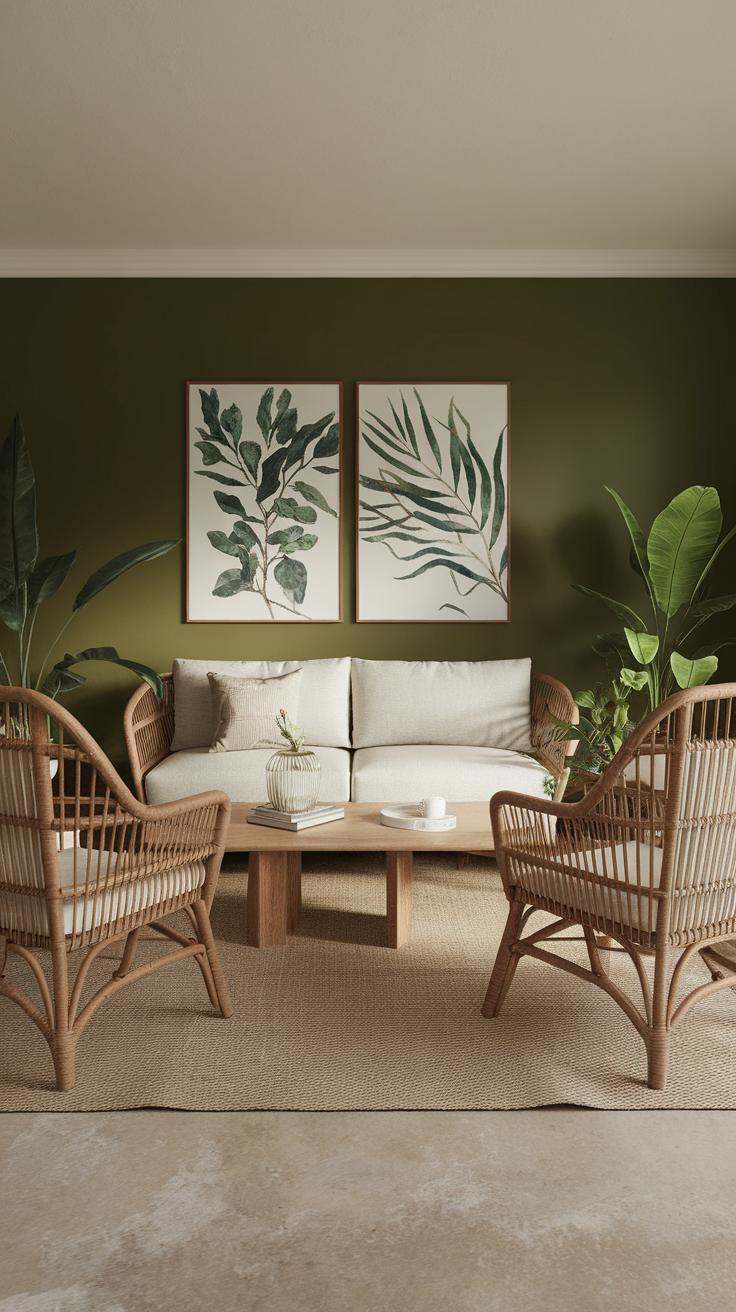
x=505 y=964
x=63 y=1045
x=204 y=929
x=658 y=1051
x=131 y=945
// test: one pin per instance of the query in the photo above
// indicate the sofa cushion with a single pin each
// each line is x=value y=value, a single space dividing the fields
x=459 y=774
x=247 y=709
x=463 y=703
x=242 y=775
x=324 y=698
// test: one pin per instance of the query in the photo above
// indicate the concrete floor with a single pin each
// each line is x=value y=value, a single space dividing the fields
x=559 y=1209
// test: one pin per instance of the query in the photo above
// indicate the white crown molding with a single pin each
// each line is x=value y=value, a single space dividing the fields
x=180 y=263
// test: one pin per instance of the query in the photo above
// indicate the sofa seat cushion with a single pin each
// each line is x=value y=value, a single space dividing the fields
x=242 y=775
x=450 y=703
x=324 y=698
x=459 y=774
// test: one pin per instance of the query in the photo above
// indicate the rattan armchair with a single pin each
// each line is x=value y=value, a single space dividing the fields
x=647 y=859
x=83 y=863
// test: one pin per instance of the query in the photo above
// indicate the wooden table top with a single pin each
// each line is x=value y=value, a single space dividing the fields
x=362 y=831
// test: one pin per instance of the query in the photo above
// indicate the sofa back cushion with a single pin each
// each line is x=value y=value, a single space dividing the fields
x=460 y=703
x=324 y=698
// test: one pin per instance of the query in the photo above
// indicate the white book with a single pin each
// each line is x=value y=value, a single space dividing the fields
x=293 y=826
x=266 y=809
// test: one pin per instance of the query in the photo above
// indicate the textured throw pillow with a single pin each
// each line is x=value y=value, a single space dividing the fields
x=246 y=709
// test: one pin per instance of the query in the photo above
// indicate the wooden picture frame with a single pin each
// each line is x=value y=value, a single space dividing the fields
x=432 y=503
x=264 y=545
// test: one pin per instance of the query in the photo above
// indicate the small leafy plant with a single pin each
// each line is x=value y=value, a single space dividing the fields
x=26 y=582
x=674 y=563
x=453 y=515
x=604 y=724
x=294 y=736
x=266 y=553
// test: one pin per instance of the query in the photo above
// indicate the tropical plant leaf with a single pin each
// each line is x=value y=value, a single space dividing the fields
x=696 y=615
x=504 y=562
x=232 y=421
x=232 y=581
x=289 y=508
x=119 y=565
x=285 y=428
x=212 y=437
x=243 y=535
x=304 y=543
x=270 y=474
x=405 y=537
x=211 y=413
x=327 y=469
x=629 y=617
x=499 y=494
x=638 y=540
x=644 y=646
x=397 y=421
x=48 y=577
x=220 y=478
x=454 y=565
x=399 y=485
x=282 y=406
x=409 y=426
x=221 y=542
x=398 y=464
x=691 y=673
x=250 y=454
x=297 y=449
x=314 y=495
x=388 y=441
x=284 y=535
x=263 y=415
x=291 y=576
x=447 y=605
x=455 y=460
x=448 y=526
x=61 y=679
x=18 y=532
x=211 y=454
x=635 y=679
x=429 y=432
x=425 y=551
x=230 y=504
x=329 y=445
x=486 y=487
x=681 y=543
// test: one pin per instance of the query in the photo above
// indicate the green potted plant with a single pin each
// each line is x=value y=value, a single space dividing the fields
x=26 y=582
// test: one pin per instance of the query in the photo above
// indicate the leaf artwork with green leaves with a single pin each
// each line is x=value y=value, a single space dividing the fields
x=286 y=496
x=435 y=502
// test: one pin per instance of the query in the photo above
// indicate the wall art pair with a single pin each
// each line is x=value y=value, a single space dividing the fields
x=264 y=540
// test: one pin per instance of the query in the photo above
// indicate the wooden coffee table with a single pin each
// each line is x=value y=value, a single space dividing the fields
x=275 y=861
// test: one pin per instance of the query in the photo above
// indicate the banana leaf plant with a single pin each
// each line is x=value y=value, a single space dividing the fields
x=26 y=582
x=674 y=563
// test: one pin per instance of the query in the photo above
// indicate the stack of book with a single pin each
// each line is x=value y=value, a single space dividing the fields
x=294 y=820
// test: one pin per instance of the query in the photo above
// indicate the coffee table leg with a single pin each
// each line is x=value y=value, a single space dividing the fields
x=267 y=904
x=294 y=890
x=398 y=897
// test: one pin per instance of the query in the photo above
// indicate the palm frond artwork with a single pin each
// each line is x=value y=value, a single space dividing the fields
x=432 y=503
x=278 y=499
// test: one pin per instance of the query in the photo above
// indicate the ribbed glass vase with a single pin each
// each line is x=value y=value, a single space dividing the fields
x=293 y=780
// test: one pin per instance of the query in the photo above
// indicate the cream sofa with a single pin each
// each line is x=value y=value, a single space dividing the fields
x=384 y=731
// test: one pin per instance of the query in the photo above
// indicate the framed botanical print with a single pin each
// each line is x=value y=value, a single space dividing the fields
x=264 y=526
x=432 y=477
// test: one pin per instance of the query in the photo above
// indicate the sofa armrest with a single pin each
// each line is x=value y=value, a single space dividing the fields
x=550 y=698
x=149 y=729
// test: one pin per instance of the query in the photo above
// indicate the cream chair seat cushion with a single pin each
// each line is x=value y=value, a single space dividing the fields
x=242 y=775
x=468 y=774
x=30 y=914
x=617 y=862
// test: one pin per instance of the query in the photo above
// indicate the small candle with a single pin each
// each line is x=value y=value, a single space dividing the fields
x=433 y=808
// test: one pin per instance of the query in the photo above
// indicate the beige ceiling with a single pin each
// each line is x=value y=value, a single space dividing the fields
x=412 y=124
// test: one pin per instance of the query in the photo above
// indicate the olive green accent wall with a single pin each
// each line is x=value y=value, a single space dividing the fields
x=626 y=382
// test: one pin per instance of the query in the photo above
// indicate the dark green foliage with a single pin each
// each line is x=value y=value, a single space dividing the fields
x=269 y=477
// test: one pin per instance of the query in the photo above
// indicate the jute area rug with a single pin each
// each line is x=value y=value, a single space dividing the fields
x=336 y=1021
